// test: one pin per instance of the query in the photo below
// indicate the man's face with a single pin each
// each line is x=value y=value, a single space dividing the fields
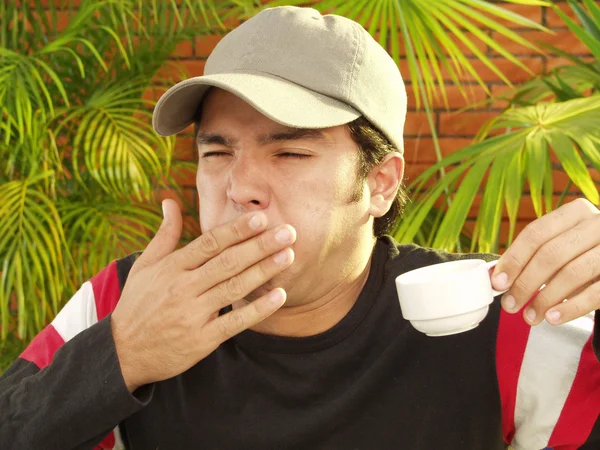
x=305 y=178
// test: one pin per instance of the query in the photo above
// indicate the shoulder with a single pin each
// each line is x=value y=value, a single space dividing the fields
x=106 y=285
x=95 y=300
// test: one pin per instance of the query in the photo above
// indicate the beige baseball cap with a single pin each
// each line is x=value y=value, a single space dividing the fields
x=300 y=69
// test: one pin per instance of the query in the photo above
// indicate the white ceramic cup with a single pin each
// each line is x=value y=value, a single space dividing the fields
x=447 y=298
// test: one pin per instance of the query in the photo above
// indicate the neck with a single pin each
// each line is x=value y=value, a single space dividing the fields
x=320 y=314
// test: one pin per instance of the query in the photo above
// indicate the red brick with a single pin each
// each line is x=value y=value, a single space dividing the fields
x=412 y=171
x=206 y=43
x=505 y=227
x=562 y=39
x=416 y=124
x=176 y=71
x=533 y=13
x=22 y=23
x=498 y=90
x=185 y=197
x=185 y=149
x=195 y=68
x=561 y=180
x=188 y=131
x=184 y=49
x=153 y=93
x=404 y=70
x=63 y=17
x=463 y=124
x=57 y=3
x=184 y=177
x=231 y=21
x=554 y=62
x=475 y=94
x=421 y=150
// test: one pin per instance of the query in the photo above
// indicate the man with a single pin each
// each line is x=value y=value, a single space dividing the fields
x=279 y=327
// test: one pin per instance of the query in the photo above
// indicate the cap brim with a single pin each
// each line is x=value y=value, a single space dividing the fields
x=278 y=99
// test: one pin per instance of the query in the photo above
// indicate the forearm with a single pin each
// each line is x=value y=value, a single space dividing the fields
x=74 y=402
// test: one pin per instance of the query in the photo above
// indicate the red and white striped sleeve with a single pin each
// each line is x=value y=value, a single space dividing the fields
x=549 y=381
x=95 y=299
x=45 y=357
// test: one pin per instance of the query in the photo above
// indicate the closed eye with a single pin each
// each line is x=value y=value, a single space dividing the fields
x=283 y=155
x=294 y=155
x=207 y=154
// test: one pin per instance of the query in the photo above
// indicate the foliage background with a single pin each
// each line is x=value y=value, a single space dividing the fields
x=59 y=172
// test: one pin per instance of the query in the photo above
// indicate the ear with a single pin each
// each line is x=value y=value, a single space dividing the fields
x=384 y=181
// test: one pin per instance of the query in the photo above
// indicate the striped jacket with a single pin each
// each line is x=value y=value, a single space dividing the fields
x=548 y=378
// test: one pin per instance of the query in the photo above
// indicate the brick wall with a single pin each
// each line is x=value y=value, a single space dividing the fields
x=454 y=130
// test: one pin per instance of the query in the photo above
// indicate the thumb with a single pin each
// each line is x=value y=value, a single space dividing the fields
x=167 y=237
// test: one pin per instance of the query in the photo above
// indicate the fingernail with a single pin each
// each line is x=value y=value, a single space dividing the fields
x=283 y=257
x=530 y=313
x=553 y=316
x=509 y=302
x=276 y=298
x=283 y=236
x=255 y=222
x=501 y=281
x=164 y=210
x=273 y=301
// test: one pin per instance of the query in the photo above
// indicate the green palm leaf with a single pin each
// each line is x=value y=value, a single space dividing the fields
x=80 y=160
x=32 y=254
x=566 y=128
x=115 y=142
x=98 y=230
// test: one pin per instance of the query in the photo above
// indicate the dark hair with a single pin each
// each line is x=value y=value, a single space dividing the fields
x=373 y=145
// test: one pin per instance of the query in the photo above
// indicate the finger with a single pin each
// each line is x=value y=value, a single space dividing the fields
x=573 y=278
x=238 y=258
x=239 y=286
x=549 y=260
x=214 y=241
x=577 y=306
x=536 y=234
x=234 y=322
x=166 y=239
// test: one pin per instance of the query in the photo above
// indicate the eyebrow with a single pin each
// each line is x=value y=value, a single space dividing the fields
x=292 y=134
x=213 y=138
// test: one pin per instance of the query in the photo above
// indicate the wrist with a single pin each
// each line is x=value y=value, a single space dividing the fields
x=127 y=365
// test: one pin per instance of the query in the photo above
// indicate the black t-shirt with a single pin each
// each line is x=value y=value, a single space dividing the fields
x=370 y=382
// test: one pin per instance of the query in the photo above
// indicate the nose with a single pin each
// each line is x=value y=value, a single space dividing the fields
x=247 y=187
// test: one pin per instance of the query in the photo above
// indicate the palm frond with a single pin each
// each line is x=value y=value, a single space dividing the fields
x=101 y=229
x=80 y=152
x=32 y=254
x=566 y=128
x=114 y=141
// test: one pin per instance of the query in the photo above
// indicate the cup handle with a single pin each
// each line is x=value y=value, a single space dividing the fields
x=488 y=266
